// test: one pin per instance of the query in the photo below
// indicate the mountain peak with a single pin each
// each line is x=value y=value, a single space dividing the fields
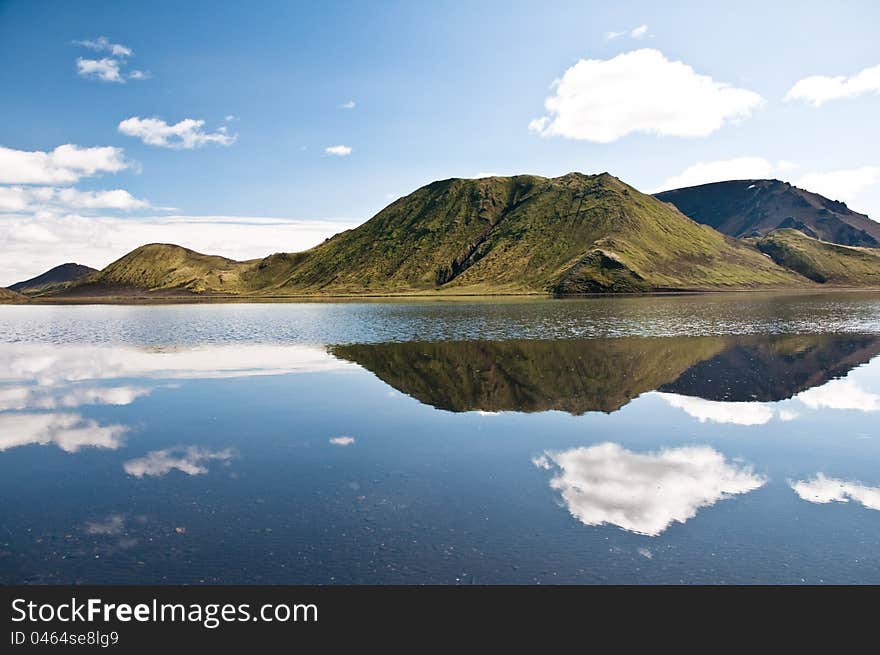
x=753 y=208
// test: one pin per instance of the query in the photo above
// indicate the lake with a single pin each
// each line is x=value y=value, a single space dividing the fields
x=726 y=438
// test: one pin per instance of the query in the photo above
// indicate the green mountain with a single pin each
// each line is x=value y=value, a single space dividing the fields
x=522 y=234
x=52 y=280
x=579 y=376
x=752 y=208
x=826 y=263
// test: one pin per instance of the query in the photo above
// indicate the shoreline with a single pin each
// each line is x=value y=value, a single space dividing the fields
x=196 y=299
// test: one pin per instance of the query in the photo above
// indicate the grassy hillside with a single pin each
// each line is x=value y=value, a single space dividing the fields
x=572 y=234
x=522 y=234
x=822 y=262
x=751 y=208
x=161 y=267
x=8 y=297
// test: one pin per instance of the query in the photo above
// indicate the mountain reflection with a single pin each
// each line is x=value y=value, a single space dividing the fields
x=579 y=376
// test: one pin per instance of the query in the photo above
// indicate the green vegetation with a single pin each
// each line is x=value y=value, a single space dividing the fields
x=822 y=262
x=522 y=234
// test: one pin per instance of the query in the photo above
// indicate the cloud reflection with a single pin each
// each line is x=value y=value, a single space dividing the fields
x=841 y=394
x=643 y=492
x=191 y=460
x=737 y=413
x=821 y=489
x=69 y=432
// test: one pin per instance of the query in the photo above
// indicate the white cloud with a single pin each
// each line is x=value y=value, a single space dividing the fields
x=339 y=151
x=640 y=92
x=348 y=105
x=70 y=432
x=106 y=69
x=342 y=441
x=819 y=89
x=840 y=394
x=826 y=490
x=720 y=412
x=185 y=135
x=19 y=198
x=230 y=117
x=788 y=415
x=639 y=32
x=103 y=44
x=65 y=164
x=846 y=185
x=52 y=397
x=643 y=493
x=739 y=168
x=191 y=460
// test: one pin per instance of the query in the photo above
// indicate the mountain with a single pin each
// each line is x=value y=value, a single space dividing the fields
x=751 y=208
x=8 y=297
x=51 y=279
x=524 y=234
x=588 y=375
x=822 y=262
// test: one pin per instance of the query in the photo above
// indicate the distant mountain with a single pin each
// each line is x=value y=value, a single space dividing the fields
x=8 y=297
x=524 y=234
x=52 y=278
x=751 y=208
x=588 y=375
x=826 y=263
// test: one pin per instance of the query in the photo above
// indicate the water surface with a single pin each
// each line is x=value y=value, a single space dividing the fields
x=695 y=439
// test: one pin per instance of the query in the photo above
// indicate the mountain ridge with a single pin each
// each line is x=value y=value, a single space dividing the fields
x=571 y=234
x=51 y=279
x=756 y=207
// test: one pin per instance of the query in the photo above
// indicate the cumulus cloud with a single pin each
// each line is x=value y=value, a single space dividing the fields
x=350 y=104
x=643 y=492
x=720 y=412
x=107 y=69
x=738 y=168
x=191 y=460
x=821 y=489
x=66 y=164
x=342 y=441
x=840 y=394
x=19 y=198
x=640 y=92
x=184 y=135
x=819 y=89
x=846 y=185
x=103 y=44
x=70 y=432
x=339 y=151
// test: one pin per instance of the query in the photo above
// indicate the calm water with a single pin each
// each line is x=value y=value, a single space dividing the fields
x=621 y=440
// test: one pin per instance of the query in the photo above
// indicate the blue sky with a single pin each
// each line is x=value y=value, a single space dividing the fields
x=439 y=89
